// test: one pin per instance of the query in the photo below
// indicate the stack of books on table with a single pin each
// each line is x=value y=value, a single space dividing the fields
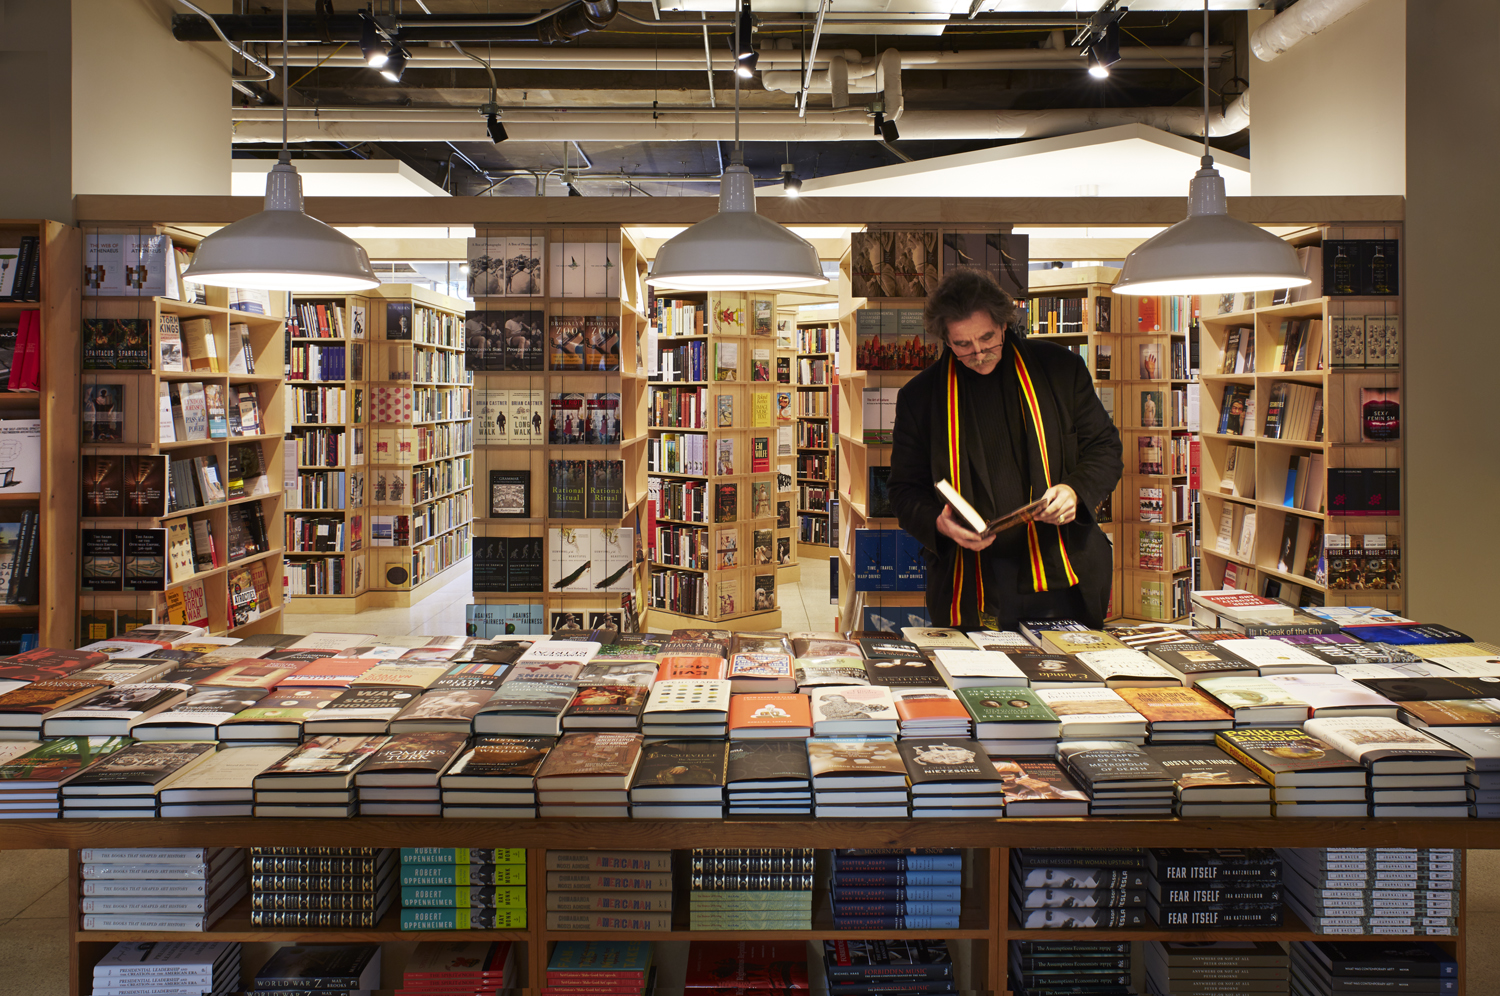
x=751 y=888
x=687 y=707
x=402 y=777
x=931 y=712
x=159 y=888
x=857 y=777
x=897 y=889
x=1175 y=968
x=1010 y=721
x=316 y=778
x=1200 y=888
x=583 y=968
x=463 y=888
x=952 y=778
x=1482 y=744
x=588 y=774
x=169 y=967
x=609 y=890
x=768 y=777
x=1085 y=967
x=495 y=779
x=1411 y=773
x=1207 y=782
x=680 y=779
x=316 y=969
x=747 y=966
x=1038 y=787
x=1055 y=888
x=223 y=785
x=32 y=775
x=1121 y=779
x=1308 y=777
x=1325 y=968
x=1374 y=890
x=321 y=886
x=126 y=783
x=854 y=967
x=459 y=968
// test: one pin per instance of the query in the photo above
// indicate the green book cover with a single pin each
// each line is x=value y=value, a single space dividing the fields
x=464 y=919
x=463 y=855
x=1005 y=705
x=429 y=875
x=459 y=896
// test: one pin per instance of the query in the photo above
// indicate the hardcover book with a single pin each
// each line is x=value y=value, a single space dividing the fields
x=591 y=761
x=321 y=763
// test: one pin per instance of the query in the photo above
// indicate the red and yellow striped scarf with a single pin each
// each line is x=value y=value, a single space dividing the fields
x=1048 y=566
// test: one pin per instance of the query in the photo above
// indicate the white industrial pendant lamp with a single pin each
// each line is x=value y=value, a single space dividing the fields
x=282 y=248
x=736 y=249
x=1209 y=252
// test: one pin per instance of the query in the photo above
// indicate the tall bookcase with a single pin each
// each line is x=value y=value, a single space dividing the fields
x=713 y=455
x=817 y=455
x=1156 y=545
x=54 y=500
x=327 y=527
x=231 y=575
x=785 y=457
x=1328 y=520
x=557 y=350
x=420 y=489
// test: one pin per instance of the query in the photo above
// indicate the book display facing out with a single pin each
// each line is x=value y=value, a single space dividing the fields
x=815 y=373
x=556 y=346
x=182 y=402
x=1302 y=455
x=721 y=454
x=882 y=346
x=420 y=487
x=327 y=469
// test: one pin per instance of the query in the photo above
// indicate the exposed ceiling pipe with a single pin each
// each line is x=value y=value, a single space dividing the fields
x=1297 y=23
x=559 y=25
x=697 y=125
x=888 y=79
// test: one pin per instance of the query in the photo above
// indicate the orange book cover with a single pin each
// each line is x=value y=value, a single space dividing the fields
x=930 y=703
x=328 y=672
x=248 y=673
x=673 y=668
x=1174 y=705
x=772 y=711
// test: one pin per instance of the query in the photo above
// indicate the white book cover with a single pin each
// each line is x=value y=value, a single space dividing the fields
x=961 y=665
x=857 y=704
x=1371 y=739
x=1334 y=691
x=525 y=425
x=1111 y=664
x=1367 y=671
x=993 y=639
x=550 y=651
x=1481 y=743
x=1247 y=692
x=104 y=265
x=1270 y=653
x=146 y=264
x=1470 y=667
x=521 y=274
x=21 y=455
x=1088 y=706
x=611 y=557
x=565 y=269
x=692 y=695
x=568 y=564
x=491 y=417
x=229 y=769
x=332 y=642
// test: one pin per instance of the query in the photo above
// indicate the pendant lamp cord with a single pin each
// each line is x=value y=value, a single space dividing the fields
x=286 y=155
x=1208 y=157
x=738 y=156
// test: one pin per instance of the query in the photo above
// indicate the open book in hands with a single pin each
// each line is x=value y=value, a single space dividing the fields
x=1021 y=516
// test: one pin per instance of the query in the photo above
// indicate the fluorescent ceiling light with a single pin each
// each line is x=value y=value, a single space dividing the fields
x=338 y=178
x=397 y=232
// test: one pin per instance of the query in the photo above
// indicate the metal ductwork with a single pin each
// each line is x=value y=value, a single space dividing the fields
x=1295 y=24
x=259 y=125
x=561 y=25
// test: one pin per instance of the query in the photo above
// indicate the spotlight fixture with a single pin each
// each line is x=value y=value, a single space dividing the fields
x=572 y=190
x=888 y=130
x=1209 y=252
x=790 y=185
x=282 y=248
x=1099 y=39
x=1097 y=69
x=495 y=128
x=745 y=56
x=370 y=44
x=395 y=63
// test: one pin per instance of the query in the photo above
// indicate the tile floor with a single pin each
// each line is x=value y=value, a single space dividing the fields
x=35 y=906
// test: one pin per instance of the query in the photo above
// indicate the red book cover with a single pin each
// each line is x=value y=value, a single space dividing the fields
x=757 y=965
x=42 y=664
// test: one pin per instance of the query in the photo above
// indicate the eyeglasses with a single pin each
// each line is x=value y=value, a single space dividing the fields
x=983 y=344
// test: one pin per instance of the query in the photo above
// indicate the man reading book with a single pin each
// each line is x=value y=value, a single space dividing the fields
x=1007 y=421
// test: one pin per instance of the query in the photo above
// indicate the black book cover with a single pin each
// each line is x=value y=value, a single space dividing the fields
x=490 y=571
x=689 y=763
x=862 y=960
x=726 y=502
x=1067 y=876
x=372 y=698
x=910 y=672
x=878 y=501
x=1048 y=897
x=946 y=761
x=1201 y=864
x=1199 y=659
x=1235 y=915
x=510 y=494
x=1041 y=668
x=1071 y=918
x=98 y=344
x=1429 y=689
x=1211 y=892
x=565 y=491
x=103 y=560
x=768 y=760
x=103 y=486
x=1201 y=768
x=145 y=486
x=133 y=337
x=141 y=764
x=524 y=556
x=876 y=648
x=1378 y=959
x=316 y=966
x=1079 y=857
x=1097 y=766
x=398 y=320
x=605 y=495
x=145 y=560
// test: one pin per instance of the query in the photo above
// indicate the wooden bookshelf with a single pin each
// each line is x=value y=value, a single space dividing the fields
x=54 y=616
x=585 y=295
x=1343 y=383
x=420 y=487
x=718 y=563
x=980 y=942
x=788 y=552
x=141 y=436
x=816 y=373
x=328 y=575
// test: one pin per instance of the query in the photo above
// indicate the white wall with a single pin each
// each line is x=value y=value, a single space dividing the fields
x=1328 y=116
x=150 y=111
